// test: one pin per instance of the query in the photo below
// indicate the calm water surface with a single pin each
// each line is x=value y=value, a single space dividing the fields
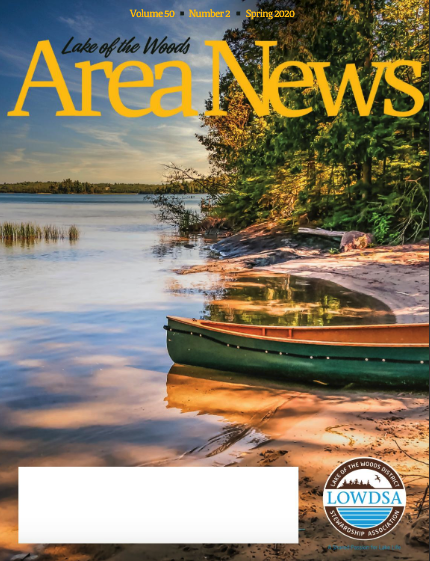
x=84 y=371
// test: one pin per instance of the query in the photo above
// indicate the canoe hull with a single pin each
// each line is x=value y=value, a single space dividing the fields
x=339 y=365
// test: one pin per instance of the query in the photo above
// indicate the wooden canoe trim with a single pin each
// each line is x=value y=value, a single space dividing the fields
x=395 y=335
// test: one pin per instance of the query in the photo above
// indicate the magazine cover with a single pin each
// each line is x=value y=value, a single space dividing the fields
x=214 y=254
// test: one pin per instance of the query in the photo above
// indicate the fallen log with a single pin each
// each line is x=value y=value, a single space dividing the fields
x=321 y=233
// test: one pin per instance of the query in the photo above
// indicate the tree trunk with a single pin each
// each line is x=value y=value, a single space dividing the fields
x=367 y=172
x=367 y=177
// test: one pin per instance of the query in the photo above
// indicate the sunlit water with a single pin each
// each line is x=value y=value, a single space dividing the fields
x=83 y=362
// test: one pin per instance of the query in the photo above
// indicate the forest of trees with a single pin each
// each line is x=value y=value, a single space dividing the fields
x=344 y=172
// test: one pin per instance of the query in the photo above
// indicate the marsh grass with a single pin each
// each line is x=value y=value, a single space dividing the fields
x=28 y=232
x=74 y=233
x=53 y=233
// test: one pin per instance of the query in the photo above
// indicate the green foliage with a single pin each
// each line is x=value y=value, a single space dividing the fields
x=172 y=210
x=381 y=226
x=366 y=173
x=189 y=222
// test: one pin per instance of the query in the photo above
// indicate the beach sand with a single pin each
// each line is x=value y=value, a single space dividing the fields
x=395 y=275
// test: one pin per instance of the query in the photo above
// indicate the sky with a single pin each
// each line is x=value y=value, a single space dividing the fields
x=110 y=148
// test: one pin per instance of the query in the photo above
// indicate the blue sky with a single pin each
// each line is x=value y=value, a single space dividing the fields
x=109 y=148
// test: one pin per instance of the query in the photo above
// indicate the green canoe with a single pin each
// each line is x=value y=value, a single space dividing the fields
x=394 y=355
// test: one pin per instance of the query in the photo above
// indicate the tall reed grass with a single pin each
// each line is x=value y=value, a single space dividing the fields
x=28 y=232
x=74 y=233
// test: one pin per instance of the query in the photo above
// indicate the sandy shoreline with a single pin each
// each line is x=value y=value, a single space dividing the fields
x=395 y=275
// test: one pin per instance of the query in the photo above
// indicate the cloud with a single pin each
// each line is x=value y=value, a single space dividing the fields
x=114 y=151
x=13 y=157
x=15 y=63
x=104 y=134
x=17 y=159
x=79 y=23
x=111 y=152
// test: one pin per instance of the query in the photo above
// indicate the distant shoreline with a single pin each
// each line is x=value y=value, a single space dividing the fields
x=81 y=194
x=110 y=193
x=75 y=187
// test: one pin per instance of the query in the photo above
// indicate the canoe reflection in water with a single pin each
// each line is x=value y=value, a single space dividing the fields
x=303 y=420
x=256 y=410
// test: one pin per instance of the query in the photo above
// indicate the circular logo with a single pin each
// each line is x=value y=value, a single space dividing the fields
x=364 y=498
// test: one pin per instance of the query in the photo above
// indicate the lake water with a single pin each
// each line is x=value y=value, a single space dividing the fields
x=84 y=371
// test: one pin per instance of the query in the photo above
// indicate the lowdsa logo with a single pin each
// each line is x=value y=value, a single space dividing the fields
x=364 y=498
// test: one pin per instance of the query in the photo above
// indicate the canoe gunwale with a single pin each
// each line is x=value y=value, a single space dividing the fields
x=205 y=327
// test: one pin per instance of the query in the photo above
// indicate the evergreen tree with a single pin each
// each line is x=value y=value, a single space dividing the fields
x=347 y=171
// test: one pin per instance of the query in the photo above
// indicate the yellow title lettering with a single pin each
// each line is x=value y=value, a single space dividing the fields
x=57 y=82
x=185 y=88
x=261 y=106
x=115 y=85
x=402 y=86
x=306 y=82
x=350 y=75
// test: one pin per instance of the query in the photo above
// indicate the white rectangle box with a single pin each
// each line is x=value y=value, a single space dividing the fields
x=158 y=505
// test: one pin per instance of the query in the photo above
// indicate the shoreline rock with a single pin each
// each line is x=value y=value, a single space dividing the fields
x=355 y=240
